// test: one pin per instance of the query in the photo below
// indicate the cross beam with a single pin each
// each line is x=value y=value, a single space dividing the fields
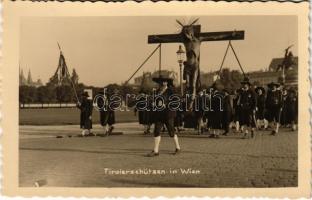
x=205 y=36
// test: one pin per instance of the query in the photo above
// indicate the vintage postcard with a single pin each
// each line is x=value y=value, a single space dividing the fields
x=156 y=99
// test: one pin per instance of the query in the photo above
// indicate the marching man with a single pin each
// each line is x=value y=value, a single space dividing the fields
x=163 y=115
x=86 y=108
x=247 y=102
x=274 y=106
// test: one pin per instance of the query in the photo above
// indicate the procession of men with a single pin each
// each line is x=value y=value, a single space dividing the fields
x=214 y=110
x=247 y=109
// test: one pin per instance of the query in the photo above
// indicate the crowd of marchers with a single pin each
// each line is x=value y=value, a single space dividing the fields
x=246 y=110
x=219 y=110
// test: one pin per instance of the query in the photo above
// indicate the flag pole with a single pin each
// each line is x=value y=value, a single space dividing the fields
x=59 y=47
x=68 y=74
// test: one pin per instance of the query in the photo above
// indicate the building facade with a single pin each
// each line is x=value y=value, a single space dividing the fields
x=272 y=75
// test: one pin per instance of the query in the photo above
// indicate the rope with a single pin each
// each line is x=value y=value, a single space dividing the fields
x=227 y=49
x=237 y=59
x=143 y=63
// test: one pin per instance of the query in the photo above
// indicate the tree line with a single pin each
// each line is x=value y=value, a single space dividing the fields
x=54 y=92
x=62 y=91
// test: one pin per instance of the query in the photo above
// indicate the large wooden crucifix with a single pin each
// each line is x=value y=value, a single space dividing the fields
x=191 y=36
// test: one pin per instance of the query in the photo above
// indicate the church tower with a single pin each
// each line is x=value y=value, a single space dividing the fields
x=29 y=78
x=22 y=79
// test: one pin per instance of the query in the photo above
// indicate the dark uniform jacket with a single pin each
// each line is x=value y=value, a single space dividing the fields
x=215 y=120
x=165 y=114
x=86 y=108
x=274 y=104
x=260 y=106
x=274 y=99
x=291 y=108
x=227 y=104
x=247 y=100
x=227 y=112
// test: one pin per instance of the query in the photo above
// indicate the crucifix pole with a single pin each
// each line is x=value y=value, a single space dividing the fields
x=159 y=71
x=180 y=56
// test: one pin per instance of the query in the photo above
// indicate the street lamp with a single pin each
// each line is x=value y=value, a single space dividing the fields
x=181 y=57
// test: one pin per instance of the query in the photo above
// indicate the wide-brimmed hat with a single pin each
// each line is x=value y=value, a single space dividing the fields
x=161 y=79
x=245 y=81
x=260 y=88
x=273 y=84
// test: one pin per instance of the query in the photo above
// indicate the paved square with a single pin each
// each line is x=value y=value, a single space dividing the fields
x=266 y=161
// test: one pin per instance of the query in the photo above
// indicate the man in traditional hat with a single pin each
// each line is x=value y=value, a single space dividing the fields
x=247 y=102
x=86 y=108
x=274 y=106
x=163 y=115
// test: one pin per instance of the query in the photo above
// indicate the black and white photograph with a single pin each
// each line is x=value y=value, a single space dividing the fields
x=160 y=101
x=90 y=115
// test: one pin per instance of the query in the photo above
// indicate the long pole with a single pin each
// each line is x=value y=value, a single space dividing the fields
x=67 y=72
x=142 y=64
x=159 y=59
x=181 y=84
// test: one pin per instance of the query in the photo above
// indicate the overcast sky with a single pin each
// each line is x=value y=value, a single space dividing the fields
x=107 y=50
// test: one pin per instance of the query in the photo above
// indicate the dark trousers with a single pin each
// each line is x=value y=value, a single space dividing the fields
x=226 y=125
x=227 y=118
x=169 y=125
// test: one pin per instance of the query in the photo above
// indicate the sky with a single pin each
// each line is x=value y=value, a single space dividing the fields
x=107 y=50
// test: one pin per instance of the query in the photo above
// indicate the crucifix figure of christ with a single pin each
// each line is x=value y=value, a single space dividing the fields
x=191 y=36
